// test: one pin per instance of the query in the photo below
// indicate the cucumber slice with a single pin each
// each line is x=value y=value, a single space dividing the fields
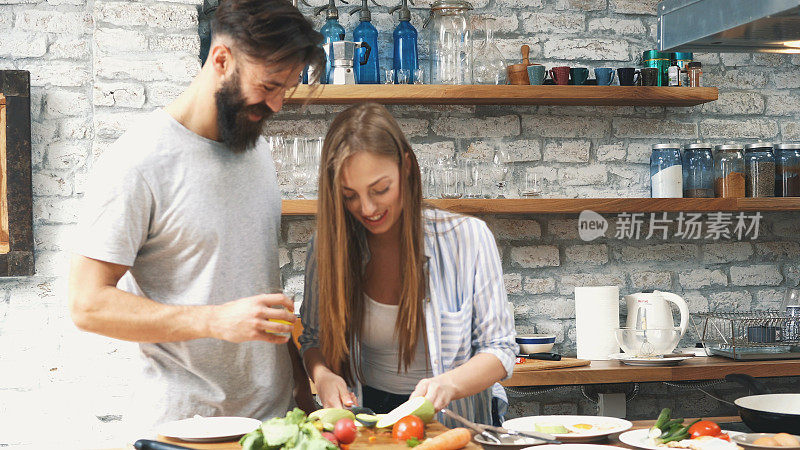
x=368 y=420
x=551 y=428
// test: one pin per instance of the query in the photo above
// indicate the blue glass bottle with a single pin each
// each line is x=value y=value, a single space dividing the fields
x=332 y=31
x=405 y=44
x=666 y=171
x=366 y=71
x=698 y=171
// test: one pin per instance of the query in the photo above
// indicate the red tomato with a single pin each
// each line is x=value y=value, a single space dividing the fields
x=724 y=437
x=409 y=427
x=345 y=431
x=704 y=428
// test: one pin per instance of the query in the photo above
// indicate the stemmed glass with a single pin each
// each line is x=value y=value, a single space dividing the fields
x=497 y=173
x=300 y=175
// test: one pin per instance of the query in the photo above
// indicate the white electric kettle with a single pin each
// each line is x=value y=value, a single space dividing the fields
x=652 y=310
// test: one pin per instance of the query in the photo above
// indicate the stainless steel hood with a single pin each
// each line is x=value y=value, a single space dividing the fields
x=771 y=26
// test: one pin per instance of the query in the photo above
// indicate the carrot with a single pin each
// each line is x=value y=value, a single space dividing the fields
x=449 y=440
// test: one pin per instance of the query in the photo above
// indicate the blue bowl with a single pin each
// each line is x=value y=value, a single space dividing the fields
x=536 y=343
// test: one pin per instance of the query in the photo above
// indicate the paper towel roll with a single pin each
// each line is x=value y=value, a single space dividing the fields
x=596 y=318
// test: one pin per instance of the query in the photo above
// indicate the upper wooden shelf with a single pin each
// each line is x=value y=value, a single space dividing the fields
x=576 y=205
x=698 y=368
x=431 y=94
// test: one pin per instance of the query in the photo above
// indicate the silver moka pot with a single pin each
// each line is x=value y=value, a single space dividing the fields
x=342 y=53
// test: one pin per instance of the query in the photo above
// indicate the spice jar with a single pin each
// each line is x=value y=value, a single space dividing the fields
x=759 y=163
x=729 y=171
x=682 y=60
x=698 y=171
x=660 y=61
x=787 y=170
x=666 y=171
x=695 y=70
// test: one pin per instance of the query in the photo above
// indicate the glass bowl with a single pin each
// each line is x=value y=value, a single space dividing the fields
x=650 y=343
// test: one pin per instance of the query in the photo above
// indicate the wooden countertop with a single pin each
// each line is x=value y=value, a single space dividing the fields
x=698 y=368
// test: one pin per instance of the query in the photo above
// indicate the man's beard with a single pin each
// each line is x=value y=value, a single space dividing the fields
x=236 y=130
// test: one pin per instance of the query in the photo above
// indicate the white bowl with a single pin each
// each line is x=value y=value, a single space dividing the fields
x=536 y=343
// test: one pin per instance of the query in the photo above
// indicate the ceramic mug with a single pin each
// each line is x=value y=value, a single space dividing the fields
x=649 y=76
x=536 y=74
x=604 y=76
x=627 y=76
x=560 y=75
x=578 y=76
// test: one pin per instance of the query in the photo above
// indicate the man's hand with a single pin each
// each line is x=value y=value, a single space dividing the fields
x=248 y=319
x=440 y=390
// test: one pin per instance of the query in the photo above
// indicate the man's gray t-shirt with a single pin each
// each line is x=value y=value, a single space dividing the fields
x=198 y=225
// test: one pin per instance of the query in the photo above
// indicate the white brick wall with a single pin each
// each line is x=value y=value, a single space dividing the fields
x=96 y=66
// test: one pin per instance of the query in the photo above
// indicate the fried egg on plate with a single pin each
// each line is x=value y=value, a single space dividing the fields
x=589 y=428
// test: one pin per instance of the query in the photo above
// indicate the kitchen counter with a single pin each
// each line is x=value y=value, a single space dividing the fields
x=698 y=368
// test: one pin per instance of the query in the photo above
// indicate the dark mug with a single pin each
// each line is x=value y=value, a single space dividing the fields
x=536 y=74
x=649 y=76
x=627 y=76
x=604 y=76
x=578 y=76
x=560 y=75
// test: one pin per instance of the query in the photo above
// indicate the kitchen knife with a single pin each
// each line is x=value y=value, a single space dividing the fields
x=543 y=356
x=148 y=444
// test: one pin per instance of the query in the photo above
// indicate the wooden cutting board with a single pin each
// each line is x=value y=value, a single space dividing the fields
x=383 y=439
x=538 y=364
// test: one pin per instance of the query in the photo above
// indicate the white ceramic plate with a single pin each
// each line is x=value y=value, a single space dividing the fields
x=638 y=439
x=636 y=361
x=572 y=447
x=209 y=429
x=601 y=427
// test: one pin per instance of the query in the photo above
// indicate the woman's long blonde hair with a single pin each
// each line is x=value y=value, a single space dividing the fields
x=340 y=249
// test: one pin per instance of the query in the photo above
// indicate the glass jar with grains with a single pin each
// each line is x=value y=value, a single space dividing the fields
x=729 y=171
x=787 y=170
x=759 y=163
x=698 y=171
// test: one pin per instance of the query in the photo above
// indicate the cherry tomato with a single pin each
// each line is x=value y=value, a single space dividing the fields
x=723 y=436
x=345 y=431
x=704 y=428
x=409 y=427
x=329 y=436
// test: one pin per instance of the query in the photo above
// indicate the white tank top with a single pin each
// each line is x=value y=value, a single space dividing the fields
x=379 y=352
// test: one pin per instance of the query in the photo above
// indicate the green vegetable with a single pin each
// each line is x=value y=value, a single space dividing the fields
x=253 y=440
x=368 y=420
x=663 y=418
x=295 y=431
x=413 y=442
x=677 y=434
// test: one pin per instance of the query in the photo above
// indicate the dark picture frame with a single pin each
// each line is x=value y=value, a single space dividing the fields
x=19 y=261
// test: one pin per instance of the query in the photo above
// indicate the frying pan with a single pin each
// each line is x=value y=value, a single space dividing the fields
x=765 y=412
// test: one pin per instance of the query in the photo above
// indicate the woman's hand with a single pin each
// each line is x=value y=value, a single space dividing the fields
x=439 y=390
x=333 y=391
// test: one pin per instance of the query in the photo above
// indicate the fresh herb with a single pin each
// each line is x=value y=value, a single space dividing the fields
x=413 y=442
x=295 y=431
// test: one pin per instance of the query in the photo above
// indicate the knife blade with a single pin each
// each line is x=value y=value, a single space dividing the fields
x=149 y=444
x=543 y=356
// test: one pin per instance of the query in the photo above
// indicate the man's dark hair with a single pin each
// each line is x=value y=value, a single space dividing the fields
x=272 y=31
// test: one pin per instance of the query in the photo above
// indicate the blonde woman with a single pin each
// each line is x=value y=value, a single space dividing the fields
x=401 y=299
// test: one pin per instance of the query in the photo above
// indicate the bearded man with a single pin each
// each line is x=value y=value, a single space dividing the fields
x=177 y=244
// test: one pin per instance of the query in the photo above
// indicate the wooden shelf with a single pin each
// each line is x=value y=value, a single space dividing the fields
x=429 y=94
x=699 y=368
x=576 y=205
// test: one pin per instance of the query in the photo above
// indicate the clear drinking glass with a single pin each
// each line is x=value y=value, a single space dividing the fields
x=498 y=173
x=791 y=308
x=489 y=67
x=473 y=178
x=419 y=76
x=389 y=76
x=451 y=179
x=403 y=76
x=532 y=185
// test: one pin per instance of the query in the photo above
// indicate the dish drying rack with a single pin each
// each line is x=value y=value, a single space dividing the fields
x=746 y=336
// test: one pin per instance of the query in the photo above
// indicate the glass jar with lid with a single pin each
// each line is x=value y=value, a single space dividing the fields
x=666 y=171
x=759 y=163
x=450 y=42
x=787 y=170
x=698 y=171
x=729 y=171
